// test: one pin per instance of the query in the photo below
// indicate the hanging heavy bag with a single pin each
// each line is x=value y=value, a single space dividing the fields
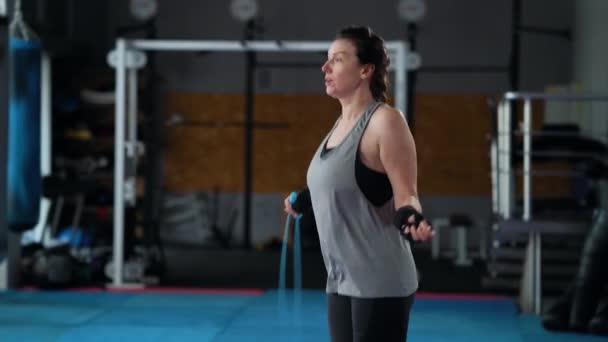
x=24 y=175
x=591 y=277
x=575 y=309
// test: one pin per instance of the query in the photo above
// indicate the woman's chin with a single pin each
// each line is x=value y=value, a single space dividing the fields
x=331 y=92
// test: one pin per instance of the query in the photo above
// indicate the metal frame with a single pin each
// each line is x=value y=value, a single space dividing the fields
x=121 y=59
x=9 y=268
x=531 y=289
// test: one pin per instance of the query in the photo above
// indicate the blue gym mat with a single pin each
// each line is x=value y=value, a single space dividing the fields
x=107 y=316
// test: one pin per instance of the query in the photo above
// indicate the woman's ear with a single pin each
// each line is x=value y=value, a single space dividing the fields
x=367 y=71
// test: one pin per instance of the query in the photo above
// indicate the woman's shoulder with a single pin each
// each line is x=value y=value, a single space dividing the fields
x=387 y=116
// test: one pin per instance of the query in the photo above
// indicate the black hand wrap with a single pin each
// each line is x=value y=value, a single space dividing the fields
x=303 y=203
x=401 y=219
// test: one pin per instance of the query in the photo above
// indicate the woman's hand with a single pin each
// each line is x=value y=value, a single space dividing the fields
x=423 y=232
x=288 y=208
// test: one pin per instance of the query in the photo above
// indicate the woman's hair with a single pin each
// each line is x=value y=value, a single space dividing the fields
x=370 y=50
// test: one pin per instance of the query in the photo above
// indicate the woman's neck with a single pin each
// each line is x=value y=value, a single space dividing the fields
x=353 y=106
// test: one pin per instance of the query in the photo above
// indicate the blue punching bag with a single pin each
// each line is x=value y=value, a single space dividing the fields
x=24 y=176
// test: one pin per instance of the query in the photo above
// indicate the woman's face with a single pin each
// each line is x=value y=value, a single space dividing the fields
x=343 y=71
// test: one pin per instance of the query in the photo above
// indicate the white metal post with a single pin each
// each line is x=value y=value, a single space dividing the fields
x=499 y=158
x=493 y=174
x=503 y=160
x=228 y=45
x=119 y=160
x=130 y=185
x=45 y=139
x=46 y=113
x=507 y=189
x=400 y=76
x=527 y=151
x=534 y=237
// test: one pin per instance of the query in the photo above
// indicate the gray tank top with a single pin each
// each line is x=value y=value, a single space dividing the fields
x=364 y=255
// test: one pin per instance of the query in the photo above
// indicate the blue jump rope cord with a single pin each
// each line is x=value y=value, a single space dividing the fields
x=284 y=254
x=297 y=259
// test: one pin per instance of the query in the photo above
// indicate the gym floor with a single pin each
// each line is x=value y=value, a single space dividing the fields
x=245 y=315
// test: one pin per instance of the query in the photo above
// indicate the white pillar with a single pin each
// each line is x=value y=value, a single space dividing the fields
x=46 y=84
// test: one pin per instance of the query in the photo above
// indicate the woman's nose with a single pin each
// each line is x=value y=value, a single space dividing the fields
x=325 y=67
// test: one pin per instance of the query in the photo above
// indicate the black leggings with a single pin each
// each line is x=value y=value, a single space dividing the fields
x=368 y=319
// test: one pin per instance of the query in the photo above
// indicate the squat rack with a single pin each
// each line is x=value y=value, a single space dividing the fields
x=129 y=56
x=504 y=192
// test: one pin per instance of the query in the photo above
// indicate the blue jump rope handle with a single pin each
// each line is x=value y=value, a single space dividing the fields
x=297 y=261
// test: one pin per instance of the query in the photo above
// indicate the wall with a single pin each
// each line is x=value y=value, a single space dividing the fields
x=546 y=59
x=452 y=118
x=454 y=33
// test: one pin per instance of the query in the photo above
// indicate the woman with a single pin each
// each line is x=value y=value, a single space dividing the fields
x=362 y=183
